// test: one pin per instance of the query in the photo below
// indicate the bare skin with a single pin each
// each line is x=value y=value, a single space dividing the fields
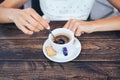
x=80 y=27
x=27 y=20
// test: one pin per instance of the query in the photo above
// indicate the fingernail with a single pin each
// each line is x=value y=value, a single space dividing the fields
x=31 y=33
x=48 y=27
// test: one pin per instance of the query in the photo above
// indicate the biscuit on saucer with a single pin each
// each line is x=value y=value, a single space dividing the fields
x=50 y=51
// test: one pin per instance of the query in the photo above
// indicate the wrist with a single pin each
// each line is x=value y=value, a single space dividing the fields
x=7 y=14
x=12 y=13
x=94 y=25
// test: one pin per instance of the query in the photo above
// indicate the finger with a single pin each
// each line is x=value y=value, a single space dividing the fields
x=82 y=32
x=71 y=25
x=23 y=29
x=36 y=25
x=48 y=21
x=74 y=28
x=78 y=33
x=45 y=23
x=28 y=25
x=41 y=20
x=67 y=24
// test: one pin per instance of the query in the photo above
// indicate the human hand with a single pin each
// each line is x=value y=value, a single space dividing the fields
x=29 y=21
x=79 y=27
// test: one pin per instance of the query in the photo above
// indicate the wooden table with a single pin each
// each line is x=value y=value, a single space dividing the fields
x=22 y=58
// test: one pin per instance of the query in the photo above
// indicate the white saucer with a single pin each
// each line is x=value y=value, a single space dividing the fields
x=60 y=57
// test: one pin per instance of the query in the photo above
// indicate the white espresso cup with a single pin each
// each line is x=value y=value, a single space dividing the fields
x=66 y=48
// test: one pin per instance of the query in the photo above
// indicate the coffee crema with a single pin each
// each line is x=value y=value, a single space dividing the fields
x=61 y=39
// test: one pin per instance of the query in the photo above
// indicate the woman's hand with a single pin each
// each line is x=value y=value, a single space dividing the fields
x=79 y=27
x=28 y=20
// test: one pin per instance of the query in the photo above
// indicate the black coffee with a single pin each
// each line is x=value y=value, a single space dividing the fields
x=61 y=39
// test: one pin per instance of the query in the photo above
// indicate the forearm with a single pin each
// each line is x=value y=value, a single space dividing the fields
x=6 y=13
x=109 y=24
x=115 y=3
x=8 y=8
x=12 y=3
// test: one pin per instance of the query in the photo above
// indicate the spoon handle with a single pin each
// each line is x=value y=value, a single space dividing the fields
x=51 y=33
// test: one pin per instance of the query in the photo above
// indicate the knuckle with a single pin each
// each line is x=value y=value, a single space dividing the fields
x=29 y=9
x=76 y=23
x=37 y=30
x=26 y=32
x=43 y=22
x=33 y=28
x=20 y=13
x=73 y=21
x=37 y=17
x=29 y=26
x=42 y=28
x=35 y=24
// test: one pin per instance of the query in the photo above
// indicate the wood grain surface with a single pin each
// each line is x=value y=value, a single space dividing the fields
x=22 y=58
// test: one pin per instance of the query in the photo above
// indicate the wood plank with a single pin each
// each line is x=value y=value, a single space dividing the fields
x=92 y=50
x=21 y=57
x=10 y=31
x=54 y=71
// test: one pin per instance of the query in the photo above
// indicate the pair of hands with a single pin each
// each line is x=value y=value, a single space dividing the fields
x=29 y=21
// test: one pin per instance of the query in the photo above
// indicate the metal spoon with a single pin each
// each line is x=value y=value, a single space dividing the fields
x=51 y=33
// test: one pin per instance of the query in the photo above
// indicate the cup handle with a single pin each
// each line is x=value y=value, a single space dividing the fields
x=75 y=43
x=65 y=51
